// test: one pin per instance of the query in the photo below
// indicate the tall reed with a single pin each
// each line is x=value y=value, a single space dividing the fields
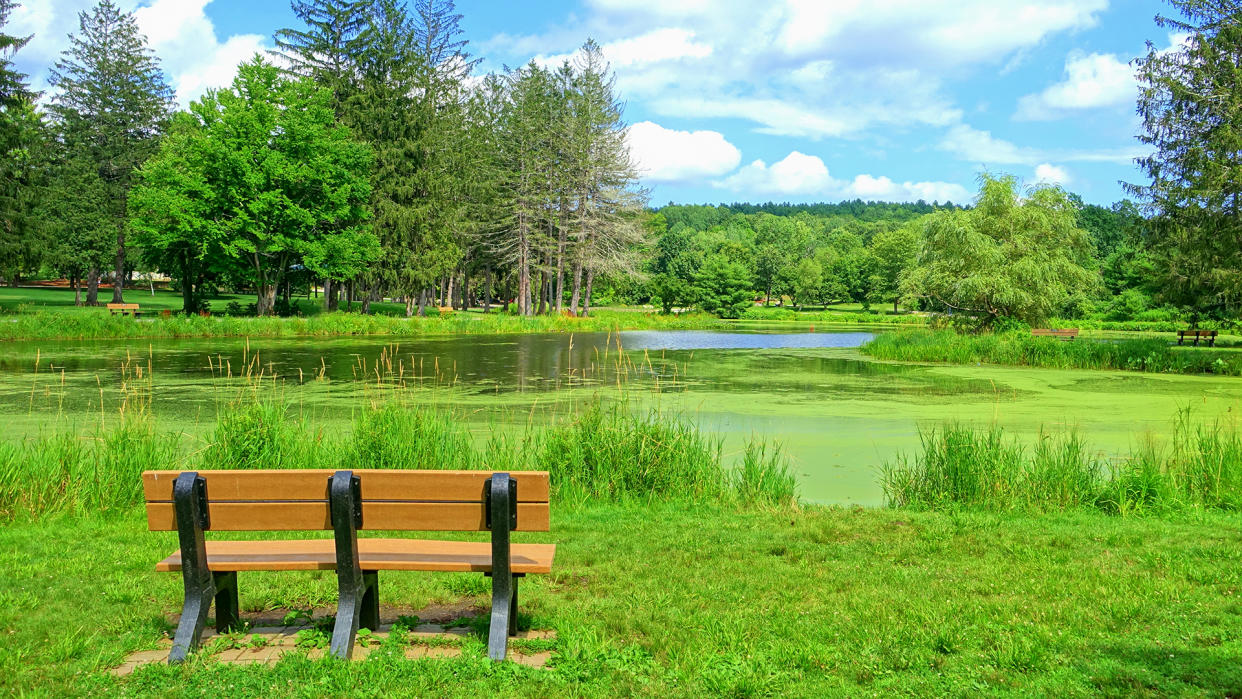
x=1021 y=349
x=601 y=452
x=962 y=465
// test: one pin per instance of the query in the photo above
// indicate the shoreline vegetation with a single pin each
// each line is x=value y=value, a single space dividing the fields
x=44 y=325
x=968 y=466
x=1019 y=348
x=603 y=452
x=88 y=323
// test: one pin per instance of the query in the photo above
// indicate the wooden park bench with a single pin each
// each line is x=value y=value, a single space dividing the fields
x=1063 y=334
x=125 y=309
x=1209 y=335
x=346 y=502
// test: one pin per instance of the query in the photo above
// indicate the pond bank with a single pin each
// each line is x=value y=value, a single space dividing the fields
x=836 y=414
x=1019 y=348
x=97 y=323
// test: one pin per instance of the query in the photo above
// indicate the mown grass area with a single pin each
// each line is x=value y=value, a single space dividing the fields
x=60 y=299
x=1200 y=468
x=673 y=599
x=1021 y=349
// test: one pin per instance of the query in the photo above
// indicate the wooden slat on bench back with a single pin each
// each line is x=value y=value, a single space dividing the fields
x=377 y=484
x=391 y=500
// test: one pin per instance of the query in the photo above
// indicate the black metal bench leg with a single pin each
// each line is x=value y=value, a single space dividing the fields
x=228 y=617
x=190 y=506
x=513 y=608
x=501 y=519
x=193 y=619
x=345 y=499
x=348 y=611
x=502 y=616
x=368 y=617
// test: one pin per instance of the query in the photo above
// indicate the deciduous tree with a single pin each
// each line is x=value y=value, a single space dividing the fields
x=1009 y=257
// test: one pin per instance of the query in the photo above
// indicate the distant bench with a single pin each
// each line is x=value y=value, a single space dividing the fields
x=191 y=503
x=1063 y=334
x=125 y=309
x=1209 y=335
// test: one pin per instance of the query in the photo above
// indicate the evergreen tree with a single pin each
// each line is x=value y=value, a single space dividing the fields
x=526 y=159
x=1191 y=103
x=80 y=233
x=608 y=204
x=23 y=160
x=441 y=167
x=388 y=66
x=327 y=51
x=110 y=105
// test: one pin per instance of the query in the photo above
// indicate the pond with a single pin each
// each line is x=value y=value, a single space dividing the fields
x=837 y=413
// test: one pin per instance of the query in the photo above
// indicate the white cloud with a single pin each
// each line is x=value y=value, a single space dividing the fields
x=179 y=32
x=801 y=175
x=805 y=68
x=982 y=148
x=796 y=175
x=185 y=40
x=1047 y=173
x=655 y=46
x=1091 y=81
x=665 y=155
x=884 y=189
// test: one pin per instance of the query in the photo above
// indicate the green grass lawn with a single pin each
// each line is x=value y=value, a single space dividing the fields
x=670 y=600
x=61 y=300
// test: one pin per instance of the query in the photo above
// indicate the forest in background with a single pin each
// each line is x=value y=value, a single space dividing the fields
x=371 y=159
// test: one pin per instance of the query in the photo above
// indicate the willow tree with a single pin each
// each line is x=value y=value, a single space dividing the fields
x=1010 y=256
x=1190 y=101
x=110 y=103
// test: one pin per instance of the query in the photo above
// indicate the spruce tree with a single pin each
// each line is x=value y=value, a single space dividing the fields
x=388 y=67
x=22 y=160
x=1191 y=104
x=110 y=103
x=327 y=51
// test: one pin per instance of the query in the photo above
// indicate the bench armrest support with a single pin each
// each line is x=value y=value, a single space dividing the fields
x=501 y=498
x=190 y=505
x=358 y=599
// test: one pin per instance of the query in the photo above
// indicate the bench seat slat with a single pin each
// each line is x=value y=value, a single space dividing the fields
x=373 y=554
x=377 y=484
x=305 y=516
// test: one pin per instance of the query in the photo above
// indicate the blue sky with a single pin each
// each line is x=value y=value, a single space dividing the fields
x=786 y=100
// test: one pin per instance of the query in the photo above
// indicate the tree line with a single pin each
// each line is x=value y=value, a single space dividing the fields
x=1024 y=253
x=369 y=157
x=365 y=156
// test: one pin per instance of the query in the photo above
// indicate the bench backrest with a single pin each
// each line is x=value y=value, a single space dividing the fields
x=1197 y=333
x=123 y=306
x=392 y=499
